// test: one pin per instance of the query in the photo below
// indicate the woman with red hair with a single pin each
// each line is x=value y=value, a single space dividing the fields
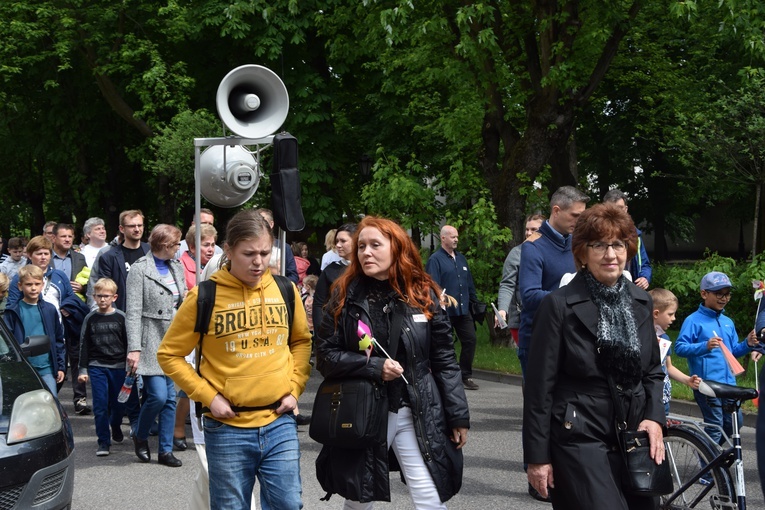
x=386 y=288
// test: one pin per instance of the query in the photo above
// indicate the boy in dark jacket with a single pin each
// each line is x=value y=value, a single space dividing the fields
x=34 y=316
x=103 y=350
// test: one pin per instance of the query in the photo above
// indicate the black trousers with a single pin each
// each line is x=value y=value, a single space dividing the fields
x=464 y=329
x=73 y=353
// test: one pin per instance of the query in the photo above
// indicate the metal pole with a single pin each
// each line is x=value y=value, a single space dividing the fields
x=197 y=207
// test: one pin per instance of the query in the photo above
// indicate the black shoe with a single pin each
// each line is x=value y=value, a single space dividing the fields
x=142 y=449
x=469 y=384
x=81 y=407
x=303 y=419
x=117 y=435
x=536 y=495
x=168 y=459
x=179 y=444
x=103 y=450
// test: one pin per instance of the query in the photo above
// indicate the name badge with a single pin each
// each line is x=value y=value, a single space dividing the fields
x=419 y=318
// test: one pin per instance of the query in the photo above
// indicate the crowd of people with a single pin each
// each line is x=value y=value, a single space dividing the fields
x=590 y=336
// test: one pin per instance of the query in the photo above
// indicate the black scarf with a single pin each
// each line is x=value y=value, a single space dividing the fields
x=618 y=344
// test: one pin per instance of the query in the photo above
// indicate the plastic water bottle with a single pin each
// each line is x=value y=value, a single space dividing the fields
x=127 y=387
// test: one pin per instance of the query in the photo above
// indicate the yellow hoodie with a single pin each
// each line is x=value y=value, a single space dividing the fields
x=246 y=355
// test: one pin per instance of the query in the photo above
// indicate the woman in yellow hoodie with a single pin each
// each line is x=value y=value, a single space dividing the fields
x=253 y=369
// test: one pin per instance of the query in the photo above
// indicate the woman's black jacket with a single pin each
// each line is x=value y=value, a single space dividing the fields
x=435 y=392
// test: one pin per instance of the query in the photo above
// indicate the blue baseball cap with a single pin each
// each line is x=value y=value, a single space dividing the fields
x=715 y=281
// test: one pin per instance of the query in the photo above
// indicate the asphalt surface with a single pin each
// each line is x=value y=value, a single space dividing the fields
x=493 y=477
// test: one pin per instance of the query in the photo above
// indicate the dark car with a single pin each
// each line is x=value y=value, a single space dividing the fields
x=36 y=442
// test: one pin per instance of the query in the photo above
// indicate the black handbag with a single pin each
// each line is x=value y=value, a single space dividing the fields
x=350 y=413
x=353 y=413
x=641 y=475
x=478 y=311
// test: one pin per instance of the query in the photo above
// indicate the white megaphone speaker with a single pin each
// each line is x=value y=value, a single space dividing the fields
x=228 y=181
x=252 y=101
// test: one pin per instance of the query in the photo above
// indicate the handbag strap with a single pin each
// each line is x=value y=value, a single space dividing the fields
x=621 y=423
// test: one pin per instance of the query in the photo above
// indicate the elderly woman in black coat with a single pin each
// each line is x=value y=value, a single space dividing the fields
x=428 y=413
x=597 y=327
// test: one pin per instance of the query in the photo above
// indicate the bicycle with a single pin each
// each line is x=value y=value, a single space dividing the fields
x=701 y=469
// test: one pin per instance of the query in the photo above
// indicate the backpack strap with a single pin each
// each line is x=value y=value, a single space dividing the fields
x=288 y=294
x=205 y=304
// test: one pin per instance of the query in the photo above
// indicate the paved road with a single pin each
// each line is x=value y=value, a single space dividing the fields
x=494 y=478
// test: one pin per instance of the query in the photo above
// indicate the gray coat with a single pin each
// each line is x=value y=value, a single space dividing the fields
x=509 y=298
x=150 y=309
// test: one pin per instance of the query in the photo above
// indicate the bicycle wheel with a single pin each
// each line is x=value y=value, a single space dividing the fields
x=688 y=452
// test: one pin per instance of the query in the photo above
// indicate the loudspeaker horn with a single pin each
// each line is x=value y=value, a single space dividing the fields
x=230 y=182
x=252 y=101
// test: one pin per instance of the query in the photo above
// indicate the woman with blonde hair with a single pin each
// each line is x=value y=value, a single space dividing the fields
x=155 y=289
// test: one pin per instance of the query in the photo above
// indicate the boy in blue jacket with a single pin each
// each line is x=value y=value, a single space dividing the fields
x=34 y=316
x=701 y=336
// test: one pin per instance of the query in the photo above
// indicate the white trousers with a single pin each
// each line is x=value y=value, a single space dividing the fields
x=402 y=438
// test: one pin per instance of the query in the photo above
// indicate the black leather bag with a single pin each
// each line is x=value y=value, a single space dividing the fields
x=350 y=413
x=478 y=311
x=642 y=476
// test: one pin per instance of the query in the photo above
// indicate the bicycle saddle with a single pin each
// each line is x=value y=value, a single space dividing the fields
x=719 y=390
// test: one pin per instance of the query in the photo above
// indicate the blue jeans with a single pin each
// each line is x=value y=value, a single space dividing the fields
x=711 y=410
x=50 y=382
x=236 y=456
x=105 y=384
x=160 y=401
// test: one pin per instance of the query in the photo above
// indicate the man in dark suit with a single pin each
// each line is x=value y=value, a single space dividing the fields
x=70 y=262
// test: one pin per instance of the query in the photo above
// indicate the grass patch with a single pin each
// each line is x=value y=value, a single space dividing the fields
x=505 y=361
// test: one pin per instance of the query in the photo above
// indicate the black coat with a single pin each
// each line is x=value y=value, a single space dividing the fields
x=436 y=395
x=568 y=414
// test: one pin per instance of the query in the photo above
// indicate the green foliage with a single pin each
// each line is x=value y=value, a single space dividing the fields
x=684 y=281
x=399 y=191
x=172 y=150
x=482 y=241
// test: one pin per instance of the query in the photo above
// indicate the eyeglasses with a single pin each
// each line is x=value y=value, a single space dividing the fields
x=104 y=296
x=134 y=225
x=172 y=245
x=619 y=247
x=721 y=295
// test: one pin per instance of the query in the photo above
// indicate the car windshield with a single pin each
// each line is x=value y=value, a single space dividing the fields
x=8 y=352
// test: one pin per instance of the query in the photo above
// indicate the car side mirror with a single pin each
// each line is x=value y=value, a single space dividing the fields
x=35 y=345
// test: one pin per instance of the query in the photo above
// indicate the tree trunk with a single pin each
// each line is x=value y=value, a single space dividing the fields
x=547 y=136
x=499 y=337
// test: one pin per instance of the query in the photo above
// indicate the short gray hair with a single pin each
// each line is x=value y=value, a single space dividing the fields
x=90 y=223
x=614 y=195
x=565 y=196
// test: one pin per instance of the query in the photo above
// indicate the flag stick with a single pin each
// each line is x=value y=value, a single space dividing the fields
x=377 y=344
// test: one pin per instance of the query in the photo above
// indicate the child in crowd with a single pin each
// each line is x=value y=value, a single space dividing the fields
x=664 y=309
x=701 y=338
x=32 y=315
x=103 y=350
x=4 y=283
x=309 y=288
x=16 y=260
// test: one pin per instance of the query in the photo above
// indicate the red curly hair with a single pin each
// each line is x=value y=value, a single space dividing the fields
x=406 y=275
